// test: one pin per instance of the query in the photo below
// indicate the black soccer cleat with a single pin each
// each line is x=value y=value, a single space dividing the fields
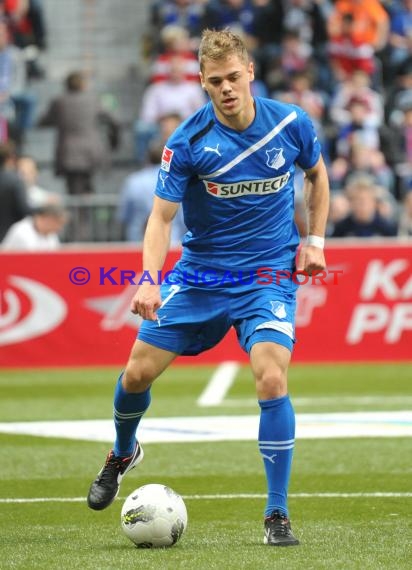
x=278 y=531
x=105 y=487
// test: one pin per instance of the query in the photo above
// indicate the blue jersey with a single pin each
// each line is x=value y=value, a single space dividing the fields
x=237 y=188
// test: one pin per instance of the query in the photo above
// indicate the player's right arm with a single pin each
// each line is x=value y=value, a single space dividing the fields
x=156 y=243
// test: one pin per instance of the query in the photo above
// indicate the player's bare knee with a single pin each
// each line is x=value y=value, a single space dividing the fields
x=138 y=376
x=271 y=383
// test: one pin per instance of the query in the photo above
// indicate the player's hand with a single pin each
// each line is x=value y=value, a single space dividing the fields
x=310 y=259
x=146 y=301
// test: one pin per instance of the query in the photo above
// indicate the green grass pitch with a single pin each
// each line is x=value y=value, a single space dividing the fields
x=336 y=510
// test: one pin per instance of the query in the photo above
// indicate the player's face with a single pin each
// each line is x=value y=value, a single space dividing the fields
x=227 y=82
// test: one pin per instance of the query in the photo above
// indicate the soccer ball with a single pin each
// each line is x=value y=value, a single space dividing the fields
x=154 y=516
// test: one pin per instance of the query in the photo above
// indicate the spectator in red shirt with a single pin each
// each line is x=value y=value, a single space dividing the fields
x=349 y=52
x=175 y=40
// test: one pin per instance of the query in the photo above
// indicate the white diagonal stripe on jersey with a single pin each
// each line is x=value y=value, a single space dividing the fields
x=276 y=130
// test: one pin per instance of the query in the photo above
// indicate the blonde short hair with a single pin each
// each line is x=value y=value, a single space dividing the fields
x=218 y=45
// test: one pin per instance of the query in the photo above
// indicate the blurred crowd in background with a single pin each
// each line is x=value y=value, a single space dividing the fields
x=347 y=63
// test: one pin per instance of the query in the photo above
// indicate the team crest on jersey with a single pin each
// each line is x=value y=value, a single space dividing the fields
x=167 y=158
x=275 y=158
x=278 y=309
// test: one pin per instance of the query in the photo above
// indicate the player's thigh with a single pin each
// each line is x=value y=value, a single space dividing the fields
x=146 y=362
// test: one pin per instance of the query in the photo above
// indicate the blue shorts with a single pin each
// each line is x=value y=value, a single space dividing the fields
x=196 y=314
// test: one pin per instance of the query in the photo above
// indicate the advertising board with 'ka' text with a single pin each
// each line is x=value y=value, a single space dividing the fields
x=72 y=308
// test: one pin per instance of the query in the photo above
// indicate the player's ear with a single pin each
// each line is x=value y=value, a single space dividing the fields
x=251 y=71
x=202 y=83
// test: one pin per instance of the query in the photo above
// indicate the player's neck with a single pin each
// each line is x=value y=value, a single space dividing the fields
x=242 y=120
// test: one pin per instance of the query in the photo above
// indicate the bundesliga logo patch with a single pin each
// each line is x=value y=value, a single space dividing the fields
x=167 y=158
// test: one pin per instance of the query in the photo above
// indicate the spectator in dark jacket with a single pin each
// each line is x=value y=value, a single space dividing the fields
x=81 y=147
x=13 y=203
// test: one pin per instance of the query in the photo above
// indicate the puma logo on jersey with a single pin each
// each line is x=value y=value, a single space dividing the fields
x=159 y=319
x=163 y=179
x=211 y=149
x=270 y=458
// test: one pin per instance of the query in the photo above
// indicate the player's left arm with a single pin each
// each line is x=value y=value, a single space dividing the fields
x=311 y=256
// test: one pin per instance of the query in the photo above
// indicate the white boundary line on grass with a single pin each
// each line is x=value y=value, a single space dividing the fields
x=376 y=495
x=225 y=428
x=319 y=401
x=219 y=384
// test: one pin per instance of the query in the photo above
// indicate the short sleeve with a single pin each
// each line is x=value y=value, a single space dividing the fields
x=310 y=149
x=175 y=169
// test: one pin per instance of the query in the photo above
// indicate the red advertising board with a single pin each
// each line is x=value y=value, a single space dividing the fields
x=71 y=308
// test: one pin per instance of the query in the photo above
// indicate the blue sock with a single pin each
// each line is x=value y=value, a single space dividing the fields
x=276 y=442
x=128 y=411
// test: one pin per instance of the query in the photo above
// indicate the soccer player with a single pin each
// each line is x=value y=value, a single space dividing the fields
x=232 y=167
